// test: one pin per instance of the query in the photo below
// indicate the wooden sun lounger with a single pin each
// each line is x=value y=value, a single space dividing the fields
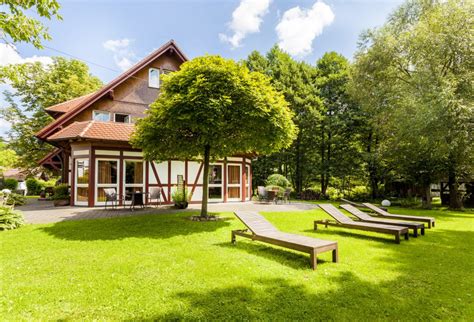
x=380 y=212
x=358 y=205
x=346 y=222
x=262 y=230
x=362 y=216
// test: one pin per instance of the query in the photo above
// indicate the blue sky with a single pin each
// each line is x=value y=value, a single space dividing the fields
x=116 y=33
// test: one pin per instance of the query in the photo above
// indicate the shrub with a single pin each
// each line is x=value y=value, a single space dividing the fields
x=15 y=199
x=10 y=219
x=180 y=196
x=278 y=180
x=34 y=186
x=360 y=193
x=334 y=194
x=410 y=202
x=61 y=192
x=10 y=184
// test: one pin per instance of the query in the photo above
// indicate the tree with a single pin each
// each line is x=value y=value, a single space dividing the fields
x=296 y=81
x=16 y=26
x=414 y=76
x=339 y=127
x=8 y=157
x=212 y=108
x=36 y=87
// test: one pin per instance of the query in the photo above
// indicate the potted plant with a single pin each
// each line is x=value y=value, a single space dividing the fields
x=181 y=198
x=61 y=196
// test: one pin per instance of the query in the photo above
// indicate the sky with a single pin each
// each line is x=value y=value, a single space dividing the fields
x=112 y=35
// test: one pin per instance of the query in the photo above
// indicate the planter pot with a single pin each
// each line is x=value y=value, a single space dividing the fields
x=61 y=202
x=181 y=205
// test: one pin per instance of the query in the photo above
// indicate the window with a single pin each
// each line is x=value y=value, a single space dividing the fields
x=215 y=182
x=133 y=177
x=122 y=118
x=233 y=182
x=106 y=177
x=154 y=78
x=82 y=182
x=102 y=116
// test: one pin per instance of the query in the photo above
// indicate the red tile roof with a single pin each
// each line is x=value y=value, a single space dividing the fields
x=68 y=105
x=95 y=130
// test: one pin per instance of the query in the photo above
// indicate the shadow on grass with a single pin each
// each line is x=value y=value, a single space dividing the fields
x=359 y=234
x=282 y=256
x=431 y=280
x=143 y=226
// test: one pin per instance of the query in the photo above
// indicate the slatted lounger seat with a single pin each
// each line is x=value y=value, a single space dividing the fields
x=262 y=230
x=346 y=222
x=366 y=218
x=382 y=213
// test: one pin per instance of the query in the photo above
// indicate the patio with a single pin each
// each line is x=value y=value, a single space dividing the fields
x=43 y=212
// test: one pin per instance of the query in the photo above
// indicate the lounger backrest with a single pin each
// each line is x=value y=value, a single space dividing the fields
x=334 y=212
x=255 y=222
x=375 y=208
x=356 y=212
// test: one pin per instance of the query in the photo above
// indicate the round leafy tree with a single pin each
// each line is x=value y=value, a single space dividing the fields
x=212 y=108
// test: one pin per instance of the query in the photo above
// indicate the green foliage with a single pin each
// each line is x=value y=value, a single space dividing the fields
x=334 y=194
x=10 y=219
x=34 y=186
x=36 y=87
x=414 y=76
x=16 y=199
x=278 y=180
x=8 y=157
x=360 y=193
x=61 y=192
x=10 y=184
x=17 y=25
x=181 y=196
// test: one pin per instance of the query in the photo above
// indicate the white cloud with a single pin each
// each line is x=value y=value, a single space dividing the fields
x=123 y=55
x=246 y=19
x=298 y=27
x=9 y=55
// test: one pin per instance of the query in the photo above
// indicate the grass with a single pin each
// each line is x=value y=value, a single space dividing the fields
x=166 y=267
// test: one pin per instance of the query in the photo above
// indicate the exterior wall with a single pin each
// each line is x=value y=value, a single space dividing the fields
x=155 y=174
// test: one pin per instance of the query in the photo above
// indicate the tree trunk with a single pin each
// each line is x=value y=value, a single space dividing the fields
x=298 y=174
x=426 y=197
x=205 y=187
x=454 y=197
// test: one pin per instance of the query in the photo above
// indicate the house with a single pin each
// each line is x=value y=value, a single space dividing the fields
x=91 y=135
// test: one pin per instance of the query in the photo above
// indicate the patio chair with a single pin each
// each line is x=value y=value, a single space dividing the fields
x=382 y=213
x=264 y=231
x=262 y=193
x=155 y=194
x=112 y=197
x=362 y=216
x=286 y=195
x=342 y=220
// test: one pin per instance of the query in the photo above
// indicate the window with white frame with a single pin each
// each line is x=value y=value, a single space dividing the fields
x=107 y=171
x=233 y=182
x=81 y=192
x=215 y=182
x=154 y=78
x=121 y=118
x=102 y=116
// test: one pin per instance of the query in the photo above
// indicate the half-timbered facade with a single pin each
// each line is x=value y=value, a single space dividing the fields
x=91 y=135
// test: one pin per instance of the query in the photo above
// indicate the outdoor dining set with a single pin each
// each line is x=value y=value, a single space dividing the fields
x=136 y=198
x=274 y=195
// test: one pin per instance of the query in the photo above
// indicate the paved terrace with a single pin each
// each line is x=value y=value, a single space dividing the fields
x=42 y=212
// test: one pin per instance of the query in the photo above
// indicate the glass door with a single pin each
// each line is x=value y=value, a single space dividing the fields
x=234 y=182
x=81 y=190
x=106 y=178
x=247 y=183
x=133 y=178
x=215 y=183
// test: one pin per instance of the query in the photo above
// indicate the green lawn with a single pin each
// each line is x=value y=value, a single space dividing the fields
x=166 y=267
